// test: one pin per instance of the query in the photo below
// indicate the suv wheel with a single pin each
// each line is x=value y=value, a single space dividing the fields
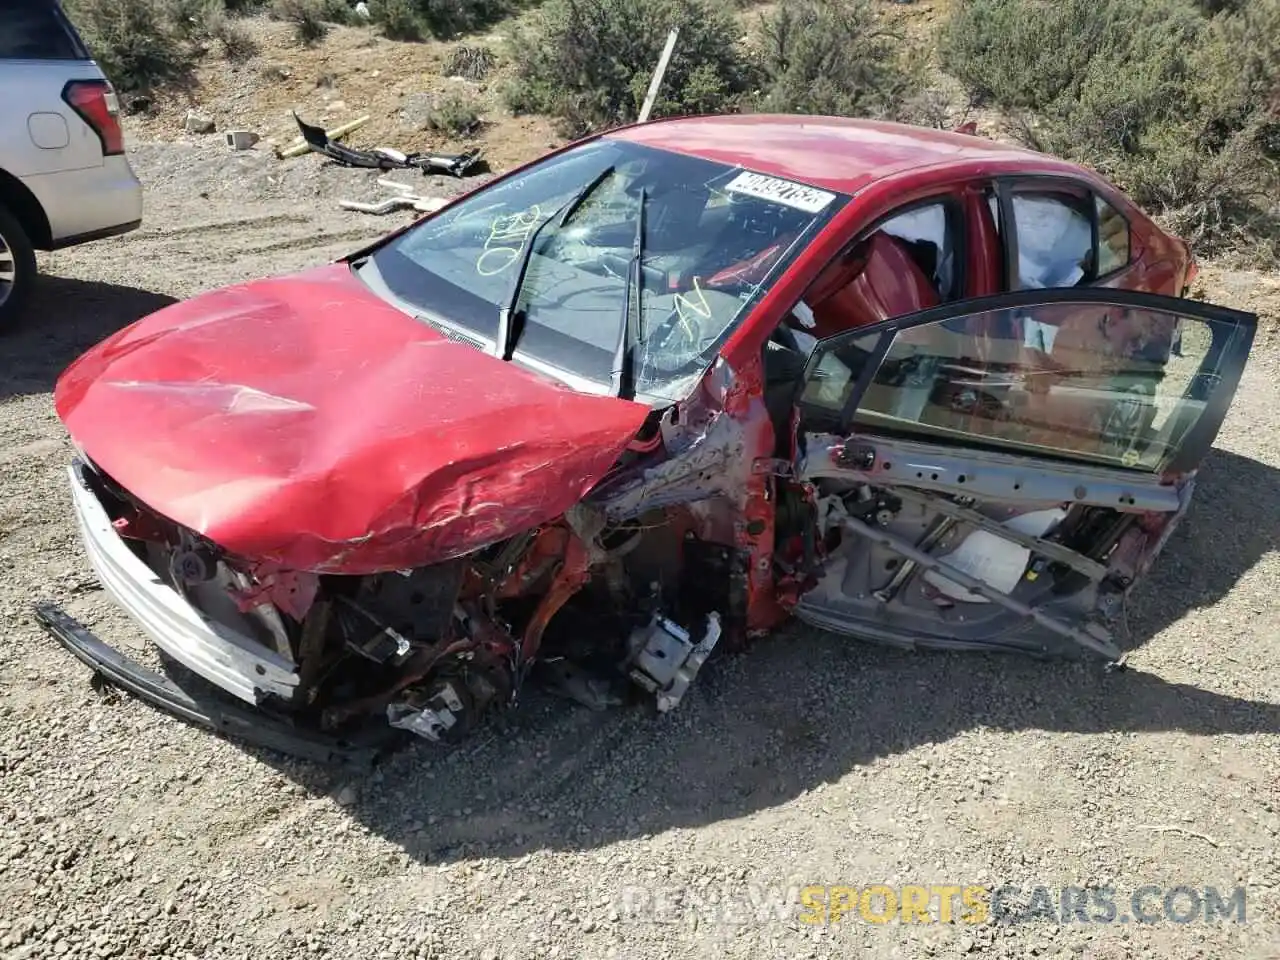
x=17 y=268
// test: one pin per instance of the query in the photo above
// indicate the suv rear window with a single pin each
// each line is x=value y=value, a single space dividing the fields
x=35 y=30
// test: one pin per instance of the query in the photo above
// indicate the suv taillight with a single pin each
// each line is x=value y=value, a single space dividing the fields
x=95 y=101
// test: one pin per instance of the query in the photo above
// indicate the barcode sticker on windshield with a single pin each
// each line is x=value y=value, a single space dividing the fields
x=797 y=195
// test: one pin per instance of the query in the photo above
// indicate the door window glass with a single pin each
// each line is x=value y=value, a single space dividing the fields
x=831 y=381
x=1099 y=381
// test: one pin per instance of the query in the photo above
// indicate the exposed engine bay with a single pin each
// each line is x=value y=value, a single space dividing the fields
x=433 y=648
x=630 y=590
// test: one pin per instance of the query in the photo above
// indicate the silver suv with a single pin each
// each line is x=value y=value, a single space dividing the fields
x=64 y=178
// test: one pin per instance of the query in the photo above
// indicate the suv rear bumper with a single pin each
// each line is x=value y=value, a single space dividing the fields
x=89 y=204
x=100 y=234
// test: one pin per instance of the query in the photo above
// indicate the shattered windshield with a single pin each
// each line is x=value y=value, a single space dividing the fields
x=712 y=239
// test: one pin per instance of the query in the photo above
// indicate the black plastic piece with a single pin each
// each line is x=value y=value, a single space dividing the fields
x=457 y=165
x=228 y=719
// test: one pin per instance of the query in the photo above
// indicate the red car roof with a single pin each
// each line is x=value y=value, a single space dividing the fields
x=836 y=153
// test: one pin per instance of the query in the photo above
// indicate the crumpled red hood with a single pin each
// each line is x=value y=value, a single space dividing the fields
x=304 y=422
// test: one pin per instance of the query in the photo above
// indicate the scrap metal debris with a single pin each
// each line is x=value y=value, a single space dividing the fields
x=386 y=158
x=241 y=139
x=300 y=145
x=404 y=198
x=666 y=660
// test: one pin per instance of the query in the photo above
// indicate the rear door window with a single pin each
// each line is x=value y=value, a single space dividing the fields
x=35 y=30
x=1055 y=240
x=1063 y=236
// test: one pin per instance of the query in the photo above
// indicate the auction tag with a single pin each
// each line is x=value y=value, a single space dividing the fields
x=785 y=192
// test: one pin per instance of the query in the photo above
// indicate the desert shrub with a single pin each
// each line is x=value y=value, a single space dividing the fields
x=473 y=63
x=588 y=62
x=1237 y=72
x=397 y=18
x=927 y=107
x=194 y=19
x=237 y=42
x=307 y=17
x=134 y=41
x=1029 y=53
x=833 y=57
x=339 y=11
x=1180 y=108
x=448 y=18
x=454 y=114
x=275 y=72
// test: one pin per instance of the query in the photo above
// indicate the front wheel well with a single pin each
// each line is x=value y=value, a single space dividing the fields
x=24 y=206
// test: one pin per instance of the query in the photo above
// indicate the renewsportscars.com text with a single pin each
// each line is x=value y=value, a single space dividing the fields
x=961 y=904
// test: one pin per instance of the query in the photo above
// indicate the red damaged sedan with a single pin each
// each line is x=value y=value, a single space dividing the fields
x=648 y=396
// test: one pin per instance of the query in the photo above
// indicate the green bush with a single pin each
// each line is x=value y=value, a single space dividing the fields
x=1029 y=53
x=307 y=17
x=446 y=19
x=833 y=57
x=1179 y=107
x=195 y=19
x=454 y=114
x=337 y=11
x=397 y=18
x=135 y=41
x=237 y=42
x=588 y=62
x=410 y=19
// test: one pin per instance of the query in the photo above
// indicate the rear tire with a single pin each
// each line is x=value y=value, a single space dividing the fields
x=17 y=269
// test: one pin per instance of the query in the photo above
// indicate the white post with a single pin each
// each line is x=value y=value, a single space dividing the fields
x=656 y=82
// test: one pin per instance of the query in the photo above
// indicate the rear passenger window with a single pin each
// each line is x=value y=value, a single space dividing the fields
x=1113 y=238
x=32 y=30
x=1055 y=240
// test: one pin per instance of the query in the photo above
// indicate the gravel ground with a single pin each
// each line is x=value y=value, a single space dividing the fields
x=566 y=833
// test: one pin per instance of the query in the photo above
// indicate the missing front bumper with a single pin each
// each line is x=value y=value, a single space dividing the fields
x=227 y=718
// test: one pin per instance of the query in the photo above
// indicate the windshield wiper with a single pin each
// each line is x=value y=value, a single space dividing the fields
x=624 y=359
x=508 y=330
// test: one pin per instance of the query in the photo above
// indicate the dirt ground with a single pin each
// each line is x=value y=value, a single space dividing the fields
x=807 y=760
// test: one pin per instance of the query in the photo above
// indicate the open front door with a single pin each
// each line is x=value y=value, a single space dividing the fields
x=997 y=473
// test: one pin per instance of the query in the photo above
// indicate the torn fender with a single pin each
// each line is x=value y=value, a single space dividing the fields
x=303 y=422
